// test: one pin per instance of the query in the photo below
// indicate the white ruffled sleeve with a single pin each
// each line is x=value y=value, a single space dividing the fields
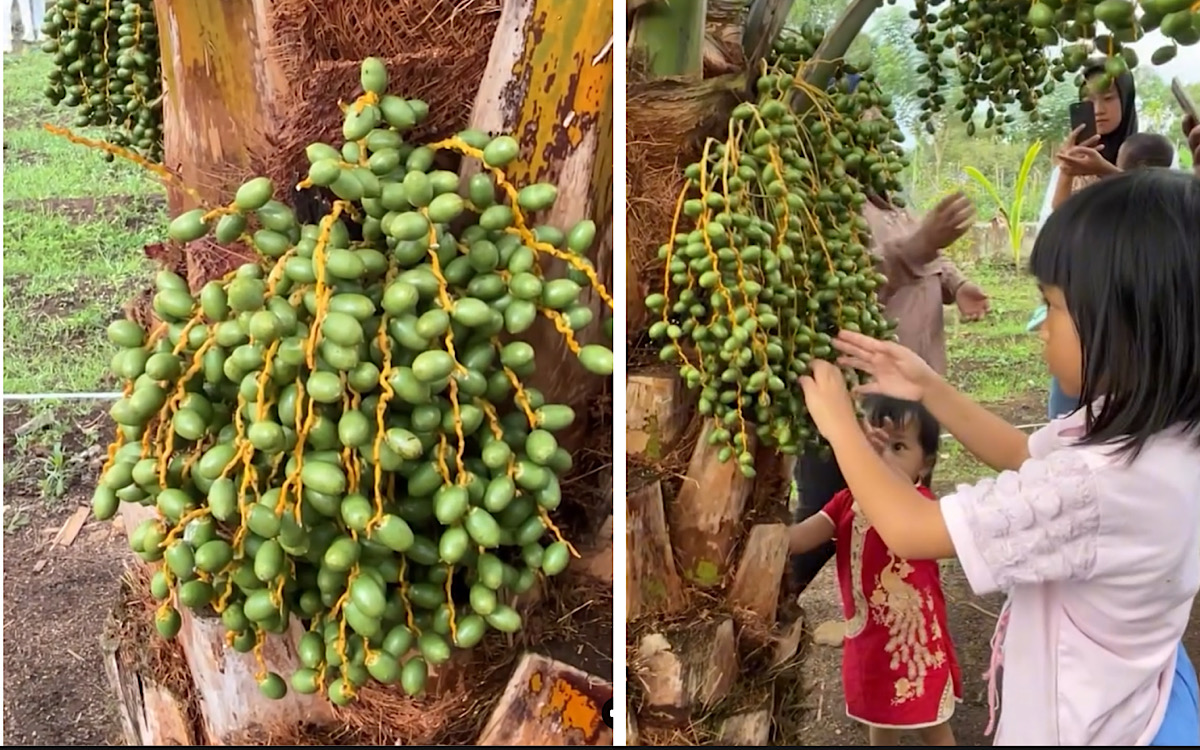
x=1035 y=525
x=1048 y=199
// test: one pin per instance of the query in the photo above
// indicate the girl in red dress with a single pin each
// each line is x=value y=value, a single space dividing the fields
x=899 y=670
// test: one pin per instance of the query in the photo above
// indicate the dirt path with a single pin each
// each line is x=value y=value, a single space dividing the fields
x=972 y=621
x=56 y=598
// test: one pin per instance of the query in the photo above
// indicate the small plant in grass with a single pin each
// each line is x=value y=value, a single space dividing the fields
x=57 y=474
x=15 y=519
x=1010 y=211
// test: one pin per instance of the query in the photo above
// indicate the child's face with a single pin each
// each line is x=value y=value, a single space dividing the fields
x=903 y=451
x=1062 y=352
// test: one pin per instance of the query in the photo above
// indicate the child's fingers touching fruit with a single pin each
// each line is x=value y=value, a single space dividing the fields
x=828 y=400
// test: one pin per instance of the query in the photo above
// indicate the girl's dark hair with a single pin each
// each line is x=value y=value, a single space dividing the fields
x=1125 y=252
x=880 y=409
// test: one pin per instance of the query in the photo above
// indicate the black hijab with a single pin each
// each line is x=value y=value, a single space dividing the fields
x=1127 y=92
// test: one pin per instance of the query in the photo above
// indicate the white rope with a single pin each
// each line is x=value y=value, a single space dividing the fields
x=61 y=396
x=1035 y=426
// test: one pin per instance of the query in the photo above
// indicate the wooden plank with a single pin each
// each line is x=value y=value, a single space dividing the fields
x=125 y=689
x=759 y=576
x=70 y=530
x=652 y=583
x=165 y=720
x=547 y=702
x=706 y=518
x=657 y=409
x=685 y=670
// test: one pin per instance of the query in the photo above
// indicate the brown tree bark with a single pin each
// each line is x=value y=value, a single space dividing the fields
x=549 y=83
x=220 y=89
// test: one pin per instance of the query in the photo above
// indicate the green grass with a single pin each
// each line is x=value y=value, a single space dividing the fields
x=995 y=360
x=74 y=229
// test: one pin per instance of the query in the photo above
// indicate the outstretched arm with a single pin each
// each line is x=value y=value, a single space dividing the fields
x=952 y=281
x=988 y=437
x=809 y=534
x=898 y=371
x=897 y=256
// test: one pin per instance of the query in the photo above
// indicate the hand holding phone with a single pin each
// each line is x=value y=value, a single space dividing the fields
x=1083 y=119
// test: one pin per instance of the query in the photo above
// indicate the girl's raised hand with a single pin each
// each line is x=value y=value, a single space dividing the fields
x=895 y=370
x=828 y=401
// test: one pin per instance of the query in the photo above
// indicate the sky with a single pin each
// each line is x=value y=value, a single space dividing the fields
x=1186 y=64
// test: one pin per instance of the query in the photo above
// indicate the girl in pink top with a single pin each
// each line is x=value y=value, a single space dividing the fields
x=1092 y=527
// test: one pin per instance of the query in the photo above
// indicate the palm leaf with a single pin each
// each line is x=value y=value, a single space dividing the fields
x=987 y=185
x=1015 y=232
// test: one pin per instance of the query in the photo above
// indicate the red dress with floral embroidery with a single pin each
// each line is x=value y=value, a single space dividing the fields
x=898 y=664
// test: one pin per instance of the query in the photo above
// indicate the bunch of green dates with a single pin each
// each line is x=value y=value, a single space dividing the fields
x=1000 y=49
x=865 y=115
x=107 y=67
x=777 y=263
x=341 y=433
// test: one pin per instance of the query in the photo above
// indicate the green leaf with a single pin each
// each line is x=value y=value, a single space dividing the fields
x=985 y=183
x=1015 y=229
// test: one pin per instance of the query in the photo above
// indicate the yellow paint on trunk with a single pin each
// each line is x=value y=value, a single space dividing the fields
x=575 y=710
x=565 y=90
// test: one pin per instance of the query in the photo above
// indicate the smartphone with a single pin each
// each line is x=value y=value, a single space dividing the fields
x=1083 y=114
x=1185 y=101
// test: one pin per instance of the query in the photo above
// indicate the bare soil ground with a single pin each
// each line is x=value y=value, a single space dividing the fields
x=56 y=597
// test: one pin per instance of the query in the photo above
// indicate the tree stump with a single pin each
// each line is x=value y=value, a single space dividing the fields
x=759 y=577
x=150 y=714
x=787 y=637
x=548 y=703
x=221 y=92
x=706 y=518
x=597 y=561
x=686 y=670
x=752 y=728
x=652 y=584
x=549 y=83
x=657 y=412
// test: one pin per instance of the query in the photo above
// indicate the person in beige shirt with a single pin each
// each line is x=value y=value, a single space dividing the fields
x=908 y=251
x=920 y=279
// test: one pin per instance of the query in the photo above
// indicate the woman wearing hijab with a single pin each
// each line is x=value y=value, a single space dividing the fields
x=907 y=250
x=1078 y=165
